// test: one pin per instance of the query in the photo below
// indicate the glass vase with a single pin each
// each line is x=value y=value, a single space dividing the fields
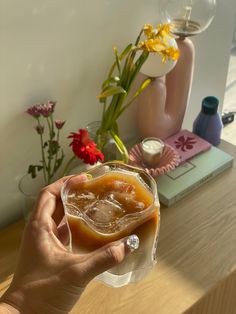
x=104 y=142
x=29 y=189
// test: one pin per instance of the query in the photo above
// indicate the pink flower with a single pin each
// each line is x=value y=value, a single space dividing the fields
x=84 y=148
x=59 y=124
x=47 y=109
x=33 y=111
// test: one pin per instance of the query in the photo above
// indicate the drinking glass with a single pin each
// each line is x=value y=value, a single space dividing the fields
x=97 y=219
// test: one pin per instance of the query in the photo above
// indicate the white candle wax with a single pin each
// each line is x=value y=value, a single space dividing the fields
x=152 y=149
x=152 y=146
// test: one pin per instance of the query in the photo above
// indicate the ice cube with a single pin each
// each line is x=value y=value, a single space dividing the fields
x=87 y=195
x=128 y=200
x=124 y=187
x=104 y=211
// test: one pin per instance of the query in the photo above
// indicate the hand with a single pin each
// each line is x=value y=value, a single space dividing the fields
x=49 y=278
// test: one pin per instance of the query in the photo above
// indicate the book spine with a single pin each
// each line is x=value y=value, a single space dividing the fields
x=169 y=202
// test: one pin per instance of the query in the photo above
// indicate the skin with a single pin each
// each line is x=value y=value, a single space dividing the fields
x=48 y=278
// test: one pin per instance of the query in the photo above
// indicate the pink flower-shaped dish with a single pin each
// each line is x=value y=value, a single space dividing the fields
x=169 y=160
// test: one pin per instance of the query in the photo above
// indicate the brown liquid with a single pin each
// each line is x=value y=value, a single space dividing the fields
x=105 y=201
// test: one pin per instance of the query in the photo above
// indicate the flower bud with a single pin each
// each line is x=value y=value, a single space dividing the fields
x=59 y=124
x=39 y=129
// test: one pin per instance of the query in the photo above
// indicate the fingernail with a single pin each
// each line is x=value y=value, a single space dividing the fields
x=89 y=176
x=132 y=242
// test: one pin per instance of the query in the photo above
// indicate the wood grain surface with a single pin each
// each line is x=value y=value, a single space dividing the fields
x=196 y=254
x=219 y=300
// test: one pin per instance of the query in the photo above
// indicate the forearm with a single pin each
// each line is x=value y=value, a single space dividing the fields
x=7 y=305
x=7 y=309
x=12 y=302
x=37 y=300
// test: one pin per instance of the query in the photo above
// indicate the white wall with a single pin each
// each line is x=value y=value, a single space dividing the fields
x=61 y=50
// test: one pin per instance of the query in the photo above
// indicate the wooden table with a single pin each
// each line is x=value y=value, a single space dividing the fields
x=196 y=271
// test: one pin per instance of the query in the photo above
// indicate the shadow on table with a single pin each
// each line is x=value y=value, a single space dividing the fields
x=197 y=236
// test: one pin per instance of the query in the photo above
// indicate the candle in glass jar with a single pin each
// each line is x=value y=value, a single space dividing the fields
x=151 y=150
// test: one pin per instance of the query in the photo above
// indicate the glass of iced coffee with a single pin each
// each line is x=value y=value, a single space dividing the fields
x=116 y=200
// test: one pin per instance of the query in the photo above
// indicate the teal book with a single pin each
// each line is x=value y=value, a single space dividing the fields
x=191 y=174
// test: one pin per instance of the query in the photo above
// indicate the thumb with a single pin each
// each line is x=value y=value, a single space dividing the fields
x=110 y=255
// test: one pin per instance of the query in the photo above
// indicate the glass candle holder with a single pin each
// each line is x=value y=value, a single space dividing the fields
x=152 y=149
x=116 y=201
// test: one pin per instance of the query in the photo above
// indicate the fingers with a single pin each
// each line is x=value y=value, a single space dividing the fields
x=49 y=203
x=110 y=255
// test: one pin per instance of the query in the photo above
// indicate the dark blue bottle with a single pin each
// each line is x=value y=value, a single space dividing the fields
x=208 y=124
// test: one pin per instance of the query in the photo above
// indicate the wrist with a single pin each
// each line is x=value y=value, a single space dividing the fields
x=12 y=302
x=6 y=308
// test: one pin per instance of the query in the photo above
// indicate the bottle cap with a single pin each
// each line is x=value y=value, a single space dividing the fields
x=210 y=105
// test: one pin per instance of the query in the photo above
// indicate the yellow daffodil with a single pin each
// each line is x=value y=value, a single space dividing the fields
x=152 y=45
x=170 y=53
x=158 y=41
x=164 y=30
x=148 y=30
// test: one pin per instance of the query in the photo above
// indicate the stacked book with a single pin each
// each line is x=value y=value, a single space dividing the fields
x=200 y=162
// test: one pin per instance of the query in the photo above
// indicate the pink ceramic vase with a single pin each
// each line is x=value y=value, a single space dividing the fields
x=161 y=107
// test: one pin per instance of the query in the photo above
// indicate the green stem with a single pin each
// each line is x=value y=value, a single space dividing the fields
x=68 y=165
x=43 y=156
x=55 y=160
x=104 y=109
x=128 y=84
x=51 y=136
x=49 y=127
x=52 y=125
x=121 y=146
x=138 y=65
x=49 y=151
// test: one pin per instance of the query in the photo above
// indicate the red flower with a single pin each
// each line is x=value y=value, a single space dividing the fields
x=84 y=148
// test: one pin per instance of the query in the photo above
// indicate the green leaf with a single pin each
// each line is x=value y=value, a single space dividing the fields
x=129 y=64
x=110 y=81
x=142 y=87
x=117 y=59
x=126 y=51
x=121 y=57
x=115 y=128
x=53 y=147
x=113 y=90
x=121 y=147
x=138 y=38
x=138 y=64
x=32 y=170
